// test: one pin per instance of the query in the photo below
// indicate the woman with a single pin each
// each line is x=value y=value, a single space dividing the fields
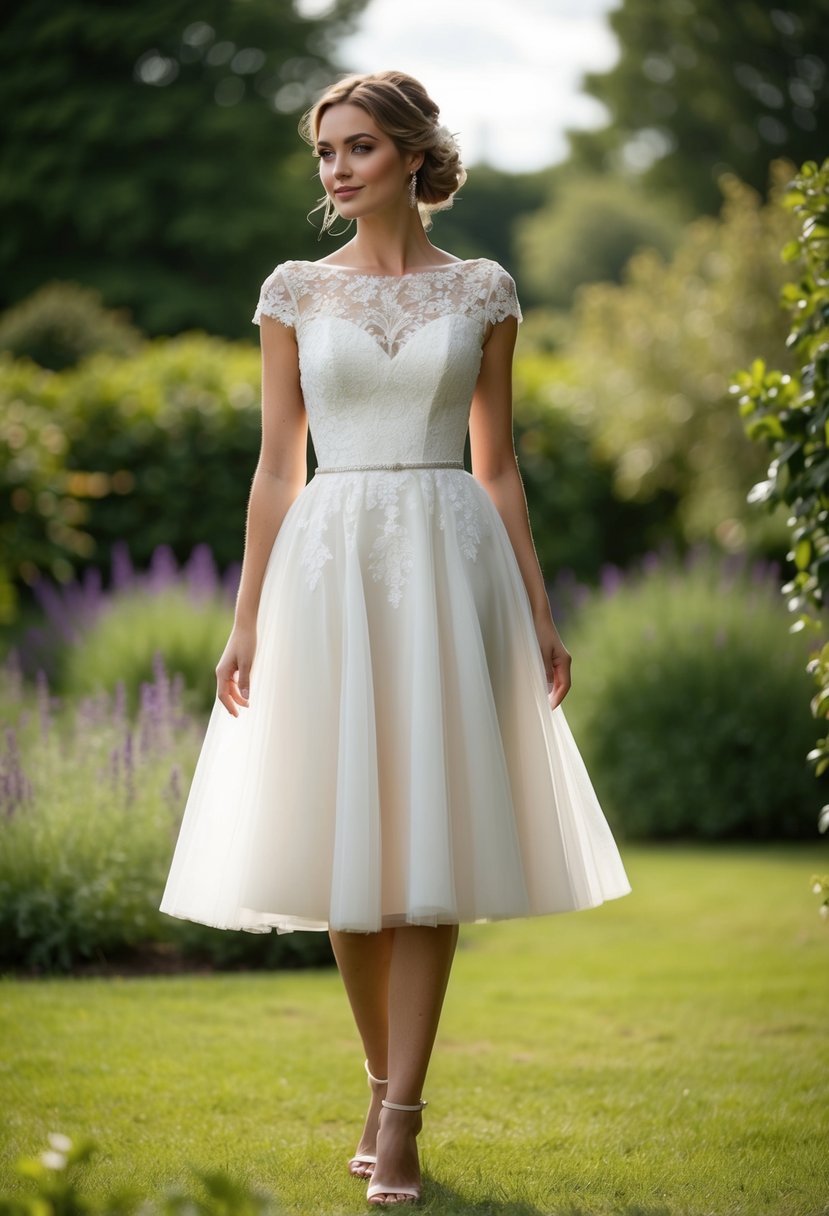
x=401 y=765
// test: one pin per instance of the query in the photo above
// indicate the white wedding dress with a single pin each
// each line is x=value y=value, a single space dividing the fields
x=399 y=762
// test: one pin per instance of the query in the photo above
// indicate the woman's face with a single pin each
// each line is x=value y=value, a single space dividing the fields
x=361 y=167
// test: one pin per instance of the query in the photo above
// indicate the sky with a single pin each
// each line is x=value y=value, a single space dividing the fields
x=505 y=73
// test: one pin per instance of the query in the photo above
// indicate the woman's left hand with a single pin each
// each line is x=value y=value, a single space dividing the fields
x=557 y=660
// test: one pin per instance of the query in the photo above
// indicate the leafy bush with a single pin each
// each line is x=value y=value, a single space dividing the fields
x=135 y=627
x=789 y=414
x=688 y=703
x=62 y=323
x=90 y=802
x=159 y=447
x=91 y=639
x=578 y=521
x=56 y=1190
x=38 y=518
x=653 y=359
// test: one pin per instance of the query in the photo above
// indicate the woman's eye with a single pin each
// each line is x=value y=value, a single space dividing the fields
x=362 y=147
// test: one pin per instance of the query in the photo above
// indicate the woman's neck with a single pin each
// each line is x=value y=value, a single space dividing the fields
x=389 y=244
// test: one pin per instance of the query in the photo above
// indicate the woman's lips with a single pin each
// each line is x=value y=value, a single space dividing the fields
x=347 y=191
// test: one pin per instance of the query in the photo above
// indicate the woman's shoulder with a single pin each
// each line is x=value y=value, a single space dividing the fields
x=484 y=266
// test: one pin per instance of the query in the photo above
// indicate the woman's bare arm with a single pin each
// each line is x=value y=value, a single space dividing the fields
x=279 y=477
x=494 y=465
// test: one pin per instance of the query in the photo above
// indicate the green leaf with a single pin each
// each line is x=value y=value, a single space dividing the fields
x=803 y=554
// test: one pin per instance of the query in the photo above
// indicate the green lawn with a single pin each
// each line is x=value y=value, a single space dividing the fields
x=664 y=1054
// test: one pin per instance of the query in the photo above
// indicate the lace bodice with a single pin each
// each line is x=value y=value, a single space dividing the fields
x=388 y=364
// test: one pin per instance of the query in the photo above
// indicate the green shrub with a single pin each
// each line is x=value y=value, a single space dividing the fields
x=578 y=521
x=62 y=323
x=53 y=1177
x=789 y=415
x=688 y=704
x=90 y=803
x=121 y=646
x=156 y=448
x=38 y=518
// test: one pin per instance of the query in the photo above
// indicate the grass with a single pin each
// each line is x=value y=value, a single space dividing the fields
x=665 y=1054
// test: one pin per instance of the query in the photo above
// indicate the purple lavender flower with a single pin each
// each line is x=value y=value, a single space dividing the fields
x=123 y=575
x=12 y=672
x=611 y=579
x=230 y=582
x=119 y=708
x=201 y=573
x=15 y=789
x=172 y=790
x=128 y=754
x=163 y=569
x=115 y=767
x=44 y=703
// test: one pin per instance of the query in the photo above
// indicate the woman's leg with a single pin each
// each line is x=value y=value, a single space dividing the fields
x=364 y=961
x=421 y=960
x=396 y=981
x=420 y=964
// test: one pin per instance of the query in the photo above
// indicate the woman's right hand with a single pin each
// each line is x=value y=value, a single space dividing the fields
x=234 y=667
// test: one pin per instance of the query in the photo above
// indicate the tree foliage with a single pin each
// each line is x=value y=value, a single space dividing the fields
x=702 y=88
x=654 y=358
x=150 y=150
x=789 y=415
x=483 y=219
x=587 y=232
x=62 y=323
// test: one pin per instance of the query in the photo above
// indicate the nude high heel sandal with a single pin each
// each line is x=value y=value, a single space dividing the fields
x=411 y=1193
x=362 y=1164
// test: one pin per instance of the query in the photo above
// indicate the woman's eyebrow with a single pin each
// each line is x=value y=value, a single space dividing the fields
x=349 y=139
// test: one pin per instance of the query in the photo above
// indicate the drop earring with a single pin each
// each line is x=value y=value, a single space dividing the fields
x=413 y=189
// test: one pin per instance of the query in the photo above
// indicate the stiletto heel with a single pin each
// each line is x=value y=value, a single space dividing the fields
x=411 y=1193
x=358 y=1164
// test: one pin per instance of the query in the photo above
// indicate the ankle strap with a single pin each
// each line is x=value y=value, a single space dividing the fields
x=376 y=1080
x=399 y=1106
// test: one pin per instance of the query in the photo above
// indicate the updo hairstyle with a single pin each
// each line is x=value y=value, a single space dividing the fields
x=401 y=107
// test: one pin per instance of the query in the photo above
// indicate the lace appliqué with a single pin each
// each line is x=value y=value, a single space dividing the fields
x=275 y=300
x=503 y=300
x=392 y=552
x=378 y=500
x=389 y=308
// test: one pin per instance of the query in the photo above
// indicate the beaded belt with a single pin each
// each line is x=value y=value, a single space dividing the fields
x=390 y=468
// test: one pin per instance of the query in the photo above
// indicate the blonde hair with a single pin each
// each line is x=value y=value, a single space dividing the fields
x=402 y=109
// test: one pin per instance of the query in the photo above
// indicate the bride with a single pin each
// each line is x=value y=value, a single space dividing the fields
x=386 y=758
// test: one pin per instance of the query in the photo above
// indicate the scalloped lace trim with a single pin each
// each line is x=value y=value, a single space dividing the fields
x=389 y=308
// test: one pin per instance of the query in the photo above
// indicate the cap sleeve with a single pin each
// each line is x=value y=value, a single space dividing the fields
x=276 y=299
x=502 y=300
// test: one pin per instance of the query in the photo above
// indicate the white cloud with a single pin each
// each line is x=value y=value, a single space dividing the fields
x=506 y=75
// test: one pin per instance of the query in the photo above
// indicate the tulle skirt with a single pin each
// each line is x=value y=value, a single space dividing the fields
x=399 y=762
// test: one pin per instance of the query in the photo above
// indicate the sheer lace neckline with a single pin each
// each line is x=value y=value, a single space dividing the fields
x=407 y=274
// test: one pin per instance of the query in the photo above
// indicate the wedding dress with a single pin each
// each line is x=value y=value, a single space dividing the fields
x=399 y=762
